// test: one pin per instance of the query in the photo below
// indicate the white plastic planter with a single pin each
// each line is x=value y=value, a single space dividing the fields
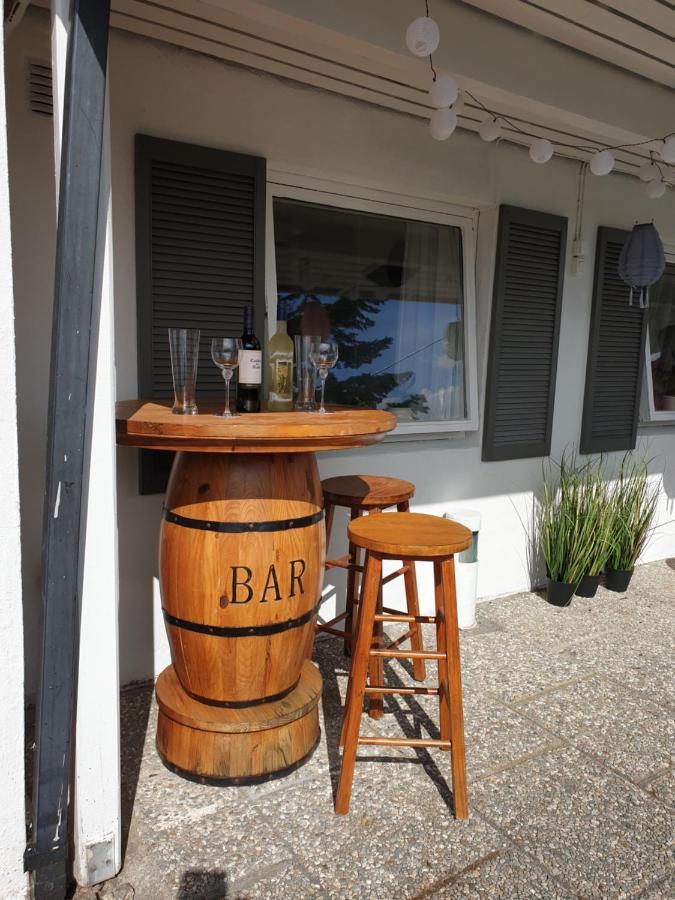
x=466 y=568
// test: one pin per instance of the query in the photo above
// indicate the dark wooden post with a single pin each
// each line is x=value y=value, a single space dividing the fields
x=74 y=332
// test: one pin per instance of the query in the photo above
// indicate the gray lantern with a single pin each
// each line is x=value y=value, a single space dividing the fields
x=642 y=261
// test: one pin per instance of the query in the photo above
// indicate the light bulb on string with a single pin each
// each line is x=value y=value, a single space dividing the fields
x=541 y=150
x=667 y=151
x=656 y=189
x=490 y=130
x=442 y=123
x=443 y=91
x=648 y=172
x=602 y=162
x=423 y=36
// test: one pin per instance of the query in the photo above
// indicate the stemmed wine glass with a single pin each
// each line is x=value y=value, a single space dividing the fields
x=225 y=354
x=324 y=355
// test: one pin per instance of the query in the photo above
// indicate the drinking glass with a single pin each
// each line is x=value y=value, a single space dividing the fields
x=184 y=348
x=305 y=378
x=324 y=355
x=225 y=354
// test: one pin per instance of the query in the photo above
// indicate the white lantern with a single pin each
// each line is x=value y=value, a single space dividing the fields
x=490 y=130
x=656 y=189
x=443 y=92
x=668 y=150
x=422 y=37
x=648 y=172
x=443 y=123
x=602 y=162
x=541 y=150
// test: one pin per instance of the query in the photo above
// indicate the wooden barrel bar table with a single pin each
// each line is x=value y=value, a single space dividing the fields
x=241 y=562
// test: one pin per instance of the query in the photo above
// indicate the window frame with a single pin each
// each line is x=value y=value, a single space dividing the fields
x=649 y=416
x=296 y=185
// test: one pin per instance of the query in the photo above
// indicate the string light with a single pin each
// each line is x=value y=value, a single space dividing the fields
x=541 y=150
x=423 y=38
x=490 y=130
x=602 y=162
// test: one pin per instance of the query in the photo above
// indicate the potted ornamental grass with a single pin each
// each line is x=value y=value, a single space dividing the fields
x=594 y=525
x=574 y=529
x=633 y=506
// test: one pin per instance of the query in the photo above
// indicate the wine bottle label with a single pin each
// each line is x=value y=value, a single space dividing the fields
x=250 y=367
x=281 y=383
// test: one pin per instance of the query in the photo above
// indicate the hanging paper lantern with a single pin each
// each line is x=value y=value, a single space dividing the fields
x=642 y=261
x=490 y=130
x=602 y=162
x=422 y=36
x=443 y=91
x=541 y=150
x=442 y=123
x=655 y=189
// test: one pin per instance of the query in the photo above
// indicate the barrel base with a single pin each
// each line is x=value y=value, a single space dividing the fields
x=247 y=745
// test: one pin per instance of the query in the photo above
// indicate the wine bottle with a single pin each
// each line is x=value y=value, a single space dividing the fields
x=280 y=356
x=250 y=367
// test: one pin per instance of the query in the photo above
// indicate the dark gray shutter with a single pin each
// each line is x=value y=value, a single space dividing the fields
x=615 y=355
x=200 y=258
x=523 y=354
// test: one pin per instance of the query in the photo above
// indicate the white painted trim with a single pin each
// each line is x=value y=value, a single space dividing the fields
x=293 y=183
x=13 y=880
x=655 y=416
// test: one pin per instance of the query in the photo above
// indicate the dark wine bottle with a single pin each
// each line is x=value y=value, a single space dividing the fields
x=250 y=368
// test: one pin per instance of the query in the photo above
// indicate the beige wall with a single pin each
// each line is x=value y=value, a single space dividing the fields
x=165 y=92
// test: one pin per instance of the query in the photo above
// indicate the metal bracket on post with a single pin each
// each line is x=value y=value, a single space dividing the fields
x=74 y=332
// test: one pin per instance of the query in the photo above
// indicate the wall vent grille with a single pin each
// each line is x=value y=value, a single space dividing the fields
x=40 y=88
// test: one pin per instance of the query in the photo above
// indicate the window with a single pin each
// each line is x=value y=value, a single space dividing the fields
x=661 y=347
x=390 y=289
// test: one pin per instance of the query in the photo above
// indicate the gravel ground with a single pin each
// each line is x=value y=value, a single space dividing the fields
x=569 y=726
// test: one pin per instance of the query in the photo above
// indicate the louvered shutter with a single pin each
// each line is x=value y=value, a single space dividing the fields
x=524 y=331
x=615 y=360
x=200 y=231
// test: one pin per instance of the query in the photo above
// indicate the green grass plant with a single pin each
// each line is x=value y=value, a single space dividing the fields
x=575 y=526
x=633 y=506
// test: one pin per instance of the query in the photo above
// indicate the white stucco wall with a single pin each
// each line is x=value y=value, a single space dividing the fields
x=169 y=93
x=13 y=882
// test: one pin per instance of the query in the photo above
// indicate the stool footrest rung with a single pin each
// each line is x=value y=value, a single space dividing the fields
x=342 y=563
x=332 y=621
x=326 y=629
x=392 y=575
x=380 y=689
x=408 y=654
x=395 y=616
x=404 y=742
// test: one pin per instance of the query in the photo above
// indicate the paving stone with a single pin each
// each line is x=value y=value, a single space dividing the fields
x=634 y=736
x=506 y=874
x=591 y=829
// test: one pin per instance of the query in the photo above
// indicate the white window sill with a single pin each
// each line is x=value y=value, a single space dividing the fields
x=425 y=431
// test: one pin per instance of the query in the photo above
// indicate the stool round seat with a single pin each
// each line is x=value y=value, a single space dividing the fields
x=366 y=491
x=409 y=535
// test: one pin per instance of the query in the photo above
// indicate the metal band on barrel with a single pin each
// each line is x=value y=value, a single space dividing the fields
x=242 y=527
x=243 y=631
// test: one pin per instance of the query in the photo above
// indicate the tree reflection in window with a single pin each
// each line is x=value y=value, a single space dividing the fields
x=389 y=290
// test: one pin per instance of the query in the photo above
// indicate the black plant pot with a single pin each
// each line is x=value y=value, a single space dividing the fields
x=618 y=580
x=588 y=586
x=559 y=593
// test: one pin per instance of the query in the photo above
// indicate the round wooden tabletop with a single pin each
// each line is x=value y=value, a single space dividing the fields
x=151 y=424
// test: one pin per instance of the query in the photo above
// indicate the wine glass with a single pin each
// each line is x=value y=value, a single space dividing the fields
x=225 y=354
x=324 y=355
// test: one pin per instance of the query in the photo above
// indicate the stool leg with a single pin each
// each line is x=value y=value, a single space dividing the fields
x=376 y=663
x=328 y=522
x=449 y=633
x=352 y=588
x=357 y=680
x=410 y=582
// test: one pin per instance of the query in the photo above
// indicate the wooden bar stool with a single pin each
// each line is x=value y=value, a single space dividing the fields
x=415 y=537
x=370 y=494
